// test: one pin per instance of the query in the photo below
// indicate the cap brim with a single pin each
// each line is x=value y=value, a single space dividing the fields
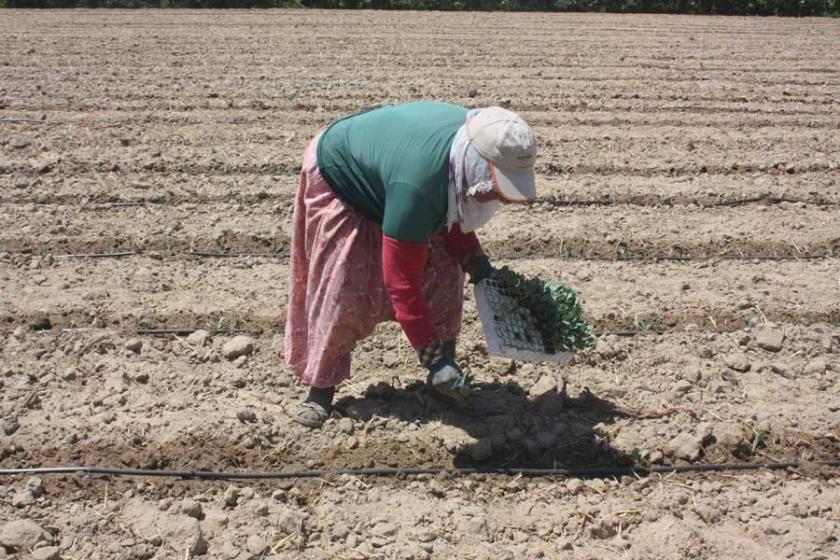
x=514 y=185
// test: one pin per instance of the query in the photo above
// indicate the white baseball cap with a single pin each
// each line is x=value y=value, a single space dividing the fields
x=506 y=141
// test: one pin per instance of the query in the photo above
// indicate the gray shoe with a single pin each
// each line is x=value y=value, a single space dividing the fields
x=453 y=385
x=310 y=414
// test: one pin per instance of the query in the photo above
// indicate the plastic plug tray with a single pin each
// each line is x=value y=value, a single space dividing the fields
x=510 y=330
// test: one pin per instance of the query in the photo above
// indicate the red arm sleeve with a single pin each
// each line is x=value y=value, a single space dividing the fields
x=460 y=244
x=403 y=266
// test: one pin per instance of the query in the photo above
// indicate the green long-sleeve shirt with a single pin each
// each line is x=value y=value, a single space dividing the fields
x=392 y=165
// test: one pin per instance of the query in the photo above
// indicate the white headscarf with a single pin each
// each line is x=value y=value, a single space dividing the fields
x=469 y=174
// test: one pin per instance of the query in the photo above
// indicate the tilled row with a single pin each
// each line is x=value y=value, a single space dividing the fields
x=228 y=243
x=34 y=118
x=230 y=94
x=268 y=148
x=255 y=128
x=152 y=187
x=784 y=230
x=264 y=162
x=619 y=50
x=252 y=292
x=533 y=96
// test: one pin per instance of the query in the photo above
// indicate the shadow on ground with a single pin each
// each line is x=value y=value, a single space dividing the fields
x=503 y=426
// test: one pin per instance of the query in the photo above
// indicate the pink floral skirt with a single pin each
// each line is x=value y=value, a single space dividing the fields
x=337 y=293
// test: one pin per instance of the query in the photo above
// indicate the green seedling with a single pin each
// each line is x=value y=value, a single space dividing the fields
x=622 y=252
x=219 y=323
x=556 y=309
x=169 y=247
x=758 y=441
x=640 y=456
x=643 y=325
x=144 y=323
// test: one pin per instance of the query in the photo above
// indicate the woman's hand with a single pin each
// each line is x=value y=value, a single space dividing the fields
x=445 y=377
x=477 y=265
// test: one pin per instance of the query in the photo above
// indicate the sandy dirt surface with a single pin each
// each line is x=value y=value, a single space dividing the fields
x=689 y=177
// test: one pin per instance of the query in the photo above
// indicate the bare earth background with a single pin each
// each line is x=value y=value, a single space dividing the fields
x=163 y=132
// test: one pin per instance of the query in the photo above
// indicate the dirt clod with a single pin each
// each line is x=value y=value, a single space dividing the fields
x=19 y=333
x=816 y=366
x=770 y=338
x=10 y=426
x=191 y=508
x=47 y=553
x=238 y=346
x=22 y=499
x=729 y=435
x=247 y=416
x=782 y=369
x=738 y=361
x=19 y=142
x=256 y=544
x=175 y=530
x=345 y=426
x=684 y=446
x=546 y=383
x=198 y=338
x=22 y=534
x=231 y=496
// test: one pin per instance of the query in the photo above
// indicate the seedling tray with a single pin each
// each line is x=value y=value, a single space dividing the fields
x=510 y=330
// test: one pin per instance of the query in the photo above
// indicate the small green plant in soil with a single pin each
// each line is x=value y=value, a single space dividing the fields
x=758 y=442
x=640 y=456
x=556 y=308
x=643 y=325
x=622 y=252
x=219 y=323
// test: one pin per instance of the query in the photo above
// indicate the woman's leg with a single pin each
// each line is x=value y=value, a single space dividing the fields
x=335 y=298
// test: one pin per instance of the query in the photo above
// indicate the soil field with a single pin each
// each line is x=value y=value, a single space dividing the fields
x=689 y=176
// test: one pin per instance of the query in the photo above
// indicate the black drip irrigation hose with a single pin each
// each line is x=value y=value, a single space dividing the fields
x=97 y=255
x=630 y=333
x=280 y=254
x=185 y=331
x=414 y=471
x=830 y=253
x=680 y=258
x=567 y=202
x=593 y=258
